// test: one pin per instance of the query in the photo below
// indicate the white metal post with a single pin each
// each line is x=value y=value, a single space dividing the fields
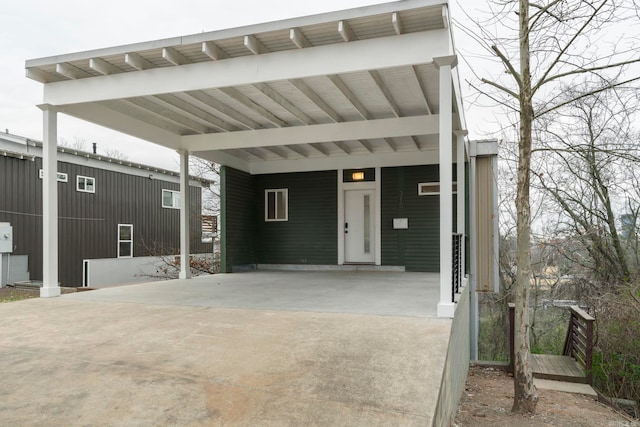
x=461 y=213
x=50 y=285
x=473 y=253
x=446 y=307
x=185 y=205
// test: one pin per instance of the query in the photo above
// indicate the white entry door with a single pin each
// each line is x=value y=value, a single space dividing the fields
x=359 y=231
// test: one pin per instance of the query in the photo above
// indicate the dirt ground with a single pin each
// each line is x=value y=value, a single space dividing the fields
x=9 y=294
x=488 y=397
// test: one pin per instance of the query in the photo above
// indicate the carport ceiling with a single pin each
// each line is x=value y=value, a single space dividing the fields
x=351 y=83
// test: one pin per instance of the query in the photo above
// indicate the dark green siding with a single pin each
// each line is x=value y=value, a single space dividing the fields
x=310 y=234
x=238 y=218
x=418 y=247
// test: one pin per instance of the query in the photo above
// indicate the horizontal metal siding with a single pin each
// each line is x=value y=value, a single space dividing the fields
x=88 y=224
x=239 y=218
x=310 y=236
x=418 y=247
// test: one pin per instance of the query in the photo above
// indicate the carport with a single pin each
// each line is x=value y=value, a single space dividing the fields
x=371 y=87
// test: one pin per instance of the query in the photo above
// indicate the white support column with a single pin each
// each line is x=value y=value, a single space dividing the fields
x=474 y=318
x=50 y=285
x=185 y=212
x=446 y=307
x=460 y=200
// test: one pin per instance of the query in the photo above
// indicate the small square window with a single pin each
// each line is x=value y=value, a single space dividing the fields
x=171 y=199
x=433 y=188
x=276 y=205
x=85 y=184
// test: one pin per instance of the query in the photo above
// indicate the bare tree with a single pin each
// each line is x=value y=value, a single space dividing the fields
x=553 y=44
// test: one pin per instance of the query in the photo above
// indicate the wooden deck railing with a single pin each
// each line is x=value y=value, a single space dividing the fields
x=579 y=341
x=578 y=344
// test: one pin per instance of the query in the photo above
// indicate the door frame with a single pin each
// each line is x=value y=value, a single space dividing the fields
x=367 y=185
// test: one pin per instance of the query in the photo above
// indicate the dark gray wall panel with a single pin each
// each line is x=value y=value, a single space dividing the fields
x=238 y=218
x=310 y=234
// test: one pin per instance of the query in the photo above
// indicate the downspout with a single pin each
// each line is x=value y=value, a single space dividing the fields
x=473 y=253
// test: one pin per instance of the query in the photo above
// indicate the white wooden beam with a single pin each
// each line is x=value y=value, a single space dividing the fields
x=38 y=75
x=416 y=142
x=425 y=96
x=345 y=31
x=380 y=53
x=385 y=92
x=390 y=143
x=252 y=43
x=342 y=87
x=345 y=131
x=213 y=103
x=137 y=61
x=247 y=102
x=445 y=16
x=319 y=148
x=342 y=147
x=256 y=152
x=284 y=103
x=70 y=71
x=277 y=151
x=400 y=158
x=365 y=144
x=316 y=99
x=103 y=67
x=213 y=51
x=397 y=23
x=169 y=114
x=297 y=38
x=296 y=149
x=183 y=107
x=142 y=116
x=104 y=115
x=175 y=57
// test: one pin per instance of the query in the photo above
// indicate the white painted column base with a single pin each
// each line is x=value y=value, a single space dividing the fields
x=50 y=291
x=446 y=309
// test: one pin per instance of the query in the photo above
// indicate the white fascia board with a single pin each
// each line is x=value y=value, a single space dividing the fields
x=370 y=54
x=115 y=120
x=358 y=12
x=344 y=131
x=226 y=159
x=407 y=158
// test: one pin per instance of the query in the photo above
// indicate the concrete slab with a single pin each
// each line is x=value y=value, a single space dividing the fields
x=382 y=293
x=566 y=387
x=115 y=358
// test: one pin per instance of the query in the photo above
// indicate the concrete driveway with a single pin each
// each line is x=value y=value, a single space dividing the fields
x=112 y=358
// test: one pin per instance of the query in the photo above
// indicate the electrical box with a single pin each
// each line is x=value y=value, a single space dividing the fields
x=400 y=223
x=6 y=238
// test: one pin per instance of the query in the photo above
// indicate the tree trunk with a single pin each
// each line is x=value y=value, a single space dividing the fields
x=525 y=394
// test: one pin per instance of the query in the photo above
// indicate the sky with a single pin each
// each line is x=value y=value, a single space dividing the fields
x=41 y=28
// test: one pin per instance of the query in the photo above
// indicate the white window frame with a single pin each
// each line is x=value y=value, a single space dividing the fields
x=62 y=177
x=85 y=178
x=130 y=241
x=174 y=204
x=423 y=192
x=275 y=191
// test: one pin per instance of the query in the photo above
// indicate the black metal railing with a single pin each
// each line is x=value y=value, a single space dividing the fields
x=457 y=267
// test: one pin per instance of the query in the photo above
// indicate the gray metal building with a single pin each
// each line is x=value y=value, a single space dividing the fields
x=108 y=208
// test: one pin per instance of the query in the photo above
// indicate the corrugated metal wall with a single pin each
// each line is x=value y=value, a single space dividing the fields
x=88 y=224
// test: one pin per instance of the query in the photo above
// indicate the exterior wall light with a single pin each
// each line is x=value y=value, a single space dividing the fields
x=357 y=176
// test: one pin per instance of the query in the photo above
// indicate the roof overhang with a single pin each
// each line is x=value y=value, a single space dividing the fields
x=343 y=89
